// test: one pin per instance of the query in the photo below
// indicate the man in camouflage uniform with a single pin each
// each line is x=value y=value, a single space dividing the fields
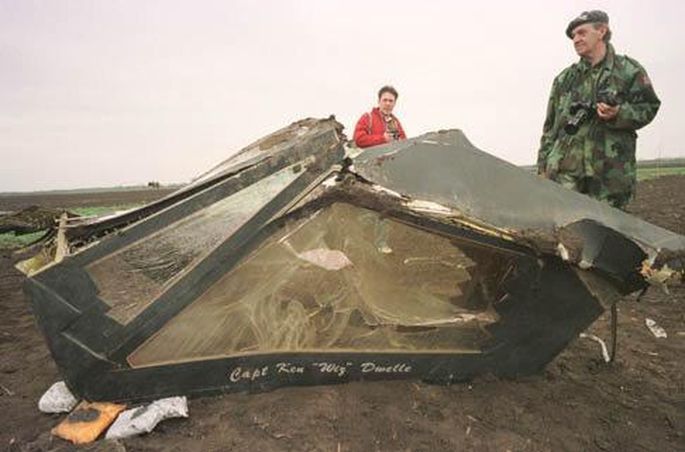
x=596 y=105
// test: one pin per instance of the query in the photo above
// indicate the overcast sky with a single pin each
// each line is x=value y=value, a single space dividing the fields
x=101 y=93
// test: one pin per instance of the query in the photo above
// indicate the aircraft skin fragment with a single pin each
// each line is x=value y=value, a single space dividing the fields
x=292 y=263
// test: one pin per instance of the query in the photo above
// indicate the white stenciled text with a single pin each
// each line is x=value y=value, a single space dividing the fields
x=289 y=368
x=371 y=367
x=332 y=368
x=240 y=374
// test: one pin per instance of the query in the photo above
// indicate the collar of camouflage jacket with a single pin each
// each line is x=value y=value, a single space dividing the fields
x=607 y=63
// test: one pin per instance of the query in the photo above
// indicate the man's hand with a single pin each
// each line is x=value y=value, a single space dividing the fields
x=388 y=137
x=606 y=112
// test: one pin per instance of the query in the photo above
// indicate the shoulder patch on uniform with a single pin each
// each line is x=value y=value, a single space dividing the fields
x=644 y=80
x=633 y=62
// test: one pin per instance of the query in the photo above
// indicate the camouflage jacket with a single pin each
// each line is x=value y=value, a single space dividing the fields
x=601 y=149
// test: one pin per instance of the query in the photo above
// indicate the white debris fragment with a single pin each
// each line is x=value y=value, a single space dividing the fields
x=584 y=265
x=656 y=330
x=658 y=277
x=325 y=258
x=116 y=213
x=330 y=182
x=57 y=399
x=563 y=252
x=432 y=260
x=602 y=344
x=387 y=191
x=420 y=205
x=145 y=418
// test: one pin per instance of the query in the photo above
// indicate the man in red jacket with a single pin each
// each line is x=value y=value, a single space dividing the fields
x=380 y=126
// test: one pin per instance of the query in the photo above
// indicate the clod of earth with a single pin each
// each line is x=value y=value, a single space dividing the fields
x=30 y=219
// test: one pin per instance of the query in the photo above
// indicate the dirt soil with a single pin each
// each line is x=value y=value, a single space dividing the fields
x=577 y=403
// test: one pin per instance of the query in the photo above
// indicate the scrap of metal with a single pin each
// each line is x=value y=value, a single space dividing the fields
x=299 y=261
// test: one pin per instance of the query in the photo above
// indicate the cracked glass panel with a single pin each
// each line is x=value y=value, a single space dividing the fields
x=129 y=280
x=344 y=279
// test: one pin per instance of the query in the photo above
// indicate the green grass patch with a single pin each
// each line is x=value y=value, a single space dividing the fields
x=9 y=240
x=651 y=173
x=96 y=211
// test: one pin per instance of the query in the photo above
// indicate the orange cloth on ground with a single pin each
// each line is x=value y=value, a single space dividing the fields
x=87 y=421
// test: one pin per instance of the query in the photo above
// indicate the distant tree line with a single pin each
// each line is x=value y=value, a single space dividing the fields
x=662 y=163
x=678 y=162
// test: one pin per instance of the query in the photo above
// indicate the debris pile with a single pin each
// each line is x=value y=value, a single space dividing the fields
x=297 y=261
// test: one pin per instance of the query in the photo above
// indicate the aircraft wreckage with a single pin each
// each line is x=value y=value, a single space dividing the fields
x=293 y=263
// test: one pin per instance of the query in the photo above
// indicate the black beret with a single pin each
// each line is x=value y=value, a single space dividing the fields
x=587 y=17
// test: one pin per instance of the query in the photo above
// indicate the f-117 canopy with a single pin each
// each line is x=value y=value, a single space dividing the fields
x=294 y=263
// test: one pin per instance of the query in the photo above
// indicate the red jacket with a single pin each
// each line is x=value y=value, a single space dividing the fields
x=371 y=134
